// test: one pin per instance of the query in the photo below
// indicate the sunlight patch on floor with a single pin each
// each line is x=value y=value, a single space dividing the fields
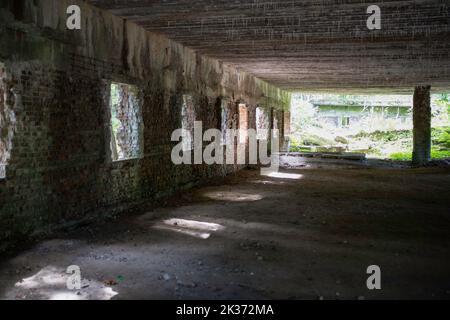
x=284 y=175
x=50 y=283
x=270 y=182
x=197 y=229
x=232 y=196
x=199 y=225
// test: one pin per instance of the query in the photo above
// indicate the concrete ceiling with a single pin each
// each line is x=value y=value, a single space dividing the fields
x=309 y=45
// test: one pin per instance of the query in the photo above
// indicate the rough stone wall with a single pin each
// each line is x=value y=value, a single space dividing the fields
x=59 y=169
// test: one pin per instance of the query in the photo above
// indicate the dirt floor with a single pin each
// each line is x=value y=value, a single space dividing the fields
x=307 y=233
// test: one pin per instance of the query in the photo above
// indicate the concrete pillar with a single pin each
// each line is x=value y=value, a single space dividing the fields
x=287 y=123
x=422 y=126
x=281 y=122
x=271 y=127
x=287 y=130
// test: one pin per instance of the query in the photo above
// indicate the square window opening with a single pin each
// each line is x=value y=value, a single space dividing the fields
x=187 y=122
x=126 y=122
x=7 y=121
x=262 y=124
x=224 y=126
x=243 y=123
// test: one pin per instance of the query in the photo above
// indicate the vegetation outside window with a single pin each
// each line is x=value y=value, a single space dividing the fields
x=126 y=122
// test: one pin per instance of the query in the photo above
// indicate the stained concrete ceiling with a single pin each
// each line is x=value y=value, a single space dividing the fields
x=310 y=44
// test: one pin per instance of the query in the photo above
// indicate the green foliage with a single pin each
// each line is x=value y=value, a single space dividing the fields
x=401 y=156
x=295 y=141
x=441 y=137
x=307 y=139
x=444 y=100
x=407 y=156
x=384 y=136
x=309 y=129
x=315 y=140
x=297 y=148
x=440 y=154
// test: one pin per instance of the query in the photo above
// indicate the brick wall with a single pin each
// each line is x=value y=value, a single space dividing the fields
x=60 y=169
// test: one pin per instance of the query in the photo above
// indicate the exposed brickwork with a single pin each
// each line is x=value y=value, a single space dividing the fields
x=60 y=169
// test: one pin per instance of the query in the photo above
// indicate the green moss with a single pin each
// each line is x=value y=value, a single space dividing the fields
x=273 y=96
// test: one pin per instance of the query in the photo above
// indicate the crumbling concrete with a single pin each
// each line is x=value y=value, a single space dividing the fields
x=310 y=45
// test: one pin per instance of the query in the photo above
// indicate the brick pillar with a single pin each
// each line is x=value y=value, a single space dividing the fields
x=422 y=126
